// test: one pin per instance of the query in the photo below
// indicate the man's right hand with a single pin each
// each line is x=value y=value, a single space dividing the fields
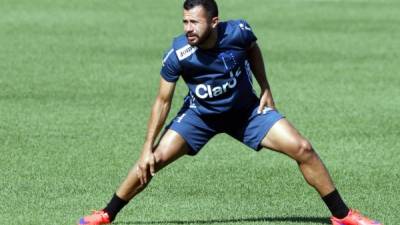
x=146 y=165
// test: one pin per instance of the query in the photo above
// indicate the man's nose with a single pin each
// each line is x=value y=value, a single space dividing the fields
x=189 y=28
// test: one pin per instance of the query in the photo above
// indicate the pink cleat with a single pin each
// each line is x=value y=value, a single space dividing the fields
x=354 y=218
x=96 y=218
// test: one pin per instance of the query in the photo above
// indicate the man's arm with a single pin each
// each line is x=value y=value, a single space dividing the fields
x=159 y=111
x=157 y=119
x=258 y=69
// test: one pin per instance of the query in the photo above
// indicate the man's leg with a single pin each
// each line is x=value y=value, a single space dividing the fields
x=171 y=147
x=284 y=138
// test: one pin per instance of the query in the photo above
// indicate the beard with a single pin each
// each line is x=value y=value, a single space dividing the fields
x=201 y=39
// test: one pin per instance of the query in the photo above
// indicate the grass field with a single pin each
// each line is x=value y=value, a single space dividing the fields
x=78 y=78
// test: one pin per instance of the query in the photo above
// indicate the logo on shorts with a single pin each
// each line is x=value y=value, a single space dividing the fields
x=266 y=109
x=180 y=118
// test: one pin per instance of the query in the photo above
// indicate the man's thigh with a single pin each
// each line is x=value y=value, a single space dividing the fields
x=285 y=138
x=170 y=147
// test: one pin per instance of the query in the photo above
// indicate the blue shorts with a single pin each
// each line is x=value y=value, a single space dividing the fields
x=246 y=126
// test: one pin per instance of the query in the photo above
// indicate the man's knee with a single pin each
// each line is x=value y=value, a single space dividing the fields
x=161 y=156
x=304 y=151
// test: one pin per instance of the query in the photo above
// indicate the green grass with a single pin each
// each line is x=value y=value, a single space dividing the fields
x=78 y=78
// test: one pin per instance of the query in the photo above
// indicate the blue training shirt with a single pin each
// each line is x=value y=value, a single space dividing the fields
x=219 y=79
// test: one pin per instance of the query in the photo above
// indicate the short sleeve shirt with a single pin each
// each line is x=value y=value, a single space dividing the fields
x=219 y=79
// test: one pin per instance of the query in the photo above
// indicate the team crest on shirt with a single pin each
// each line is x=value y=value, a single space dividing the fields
x=185 y=51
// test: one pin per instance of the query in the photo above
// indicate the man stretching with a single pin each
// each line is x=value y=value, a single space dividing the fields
x=216 y=60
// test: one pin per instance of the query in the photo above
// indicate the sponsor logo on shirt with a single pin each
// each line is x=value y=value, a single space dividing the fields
x=204 y=91
x=185 y=51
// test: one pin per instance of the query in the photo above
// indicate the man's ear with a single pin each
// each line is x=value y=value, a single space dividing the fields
x=214 y=22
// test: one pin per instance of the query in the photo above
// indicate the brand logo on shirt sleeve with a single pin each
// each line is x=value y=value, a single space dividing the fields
x=185 y=51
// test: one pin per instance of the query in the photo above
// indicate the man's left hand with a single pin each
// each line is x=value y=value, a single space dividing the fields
x=266 y=100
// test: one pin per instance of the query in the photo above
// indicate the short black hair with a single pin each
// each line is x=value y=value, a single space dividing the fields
x=209 y=5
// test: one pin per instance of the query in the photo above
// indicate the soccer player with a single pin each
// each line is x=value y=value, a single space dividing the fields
x=216 y=60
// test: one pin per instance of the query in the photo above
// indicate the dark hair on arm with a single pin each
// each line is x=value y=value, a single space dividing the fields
x=209 y=5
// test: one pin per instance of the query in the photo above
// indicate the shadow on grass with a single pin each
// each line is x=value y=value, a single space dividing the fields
x=292 y=219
